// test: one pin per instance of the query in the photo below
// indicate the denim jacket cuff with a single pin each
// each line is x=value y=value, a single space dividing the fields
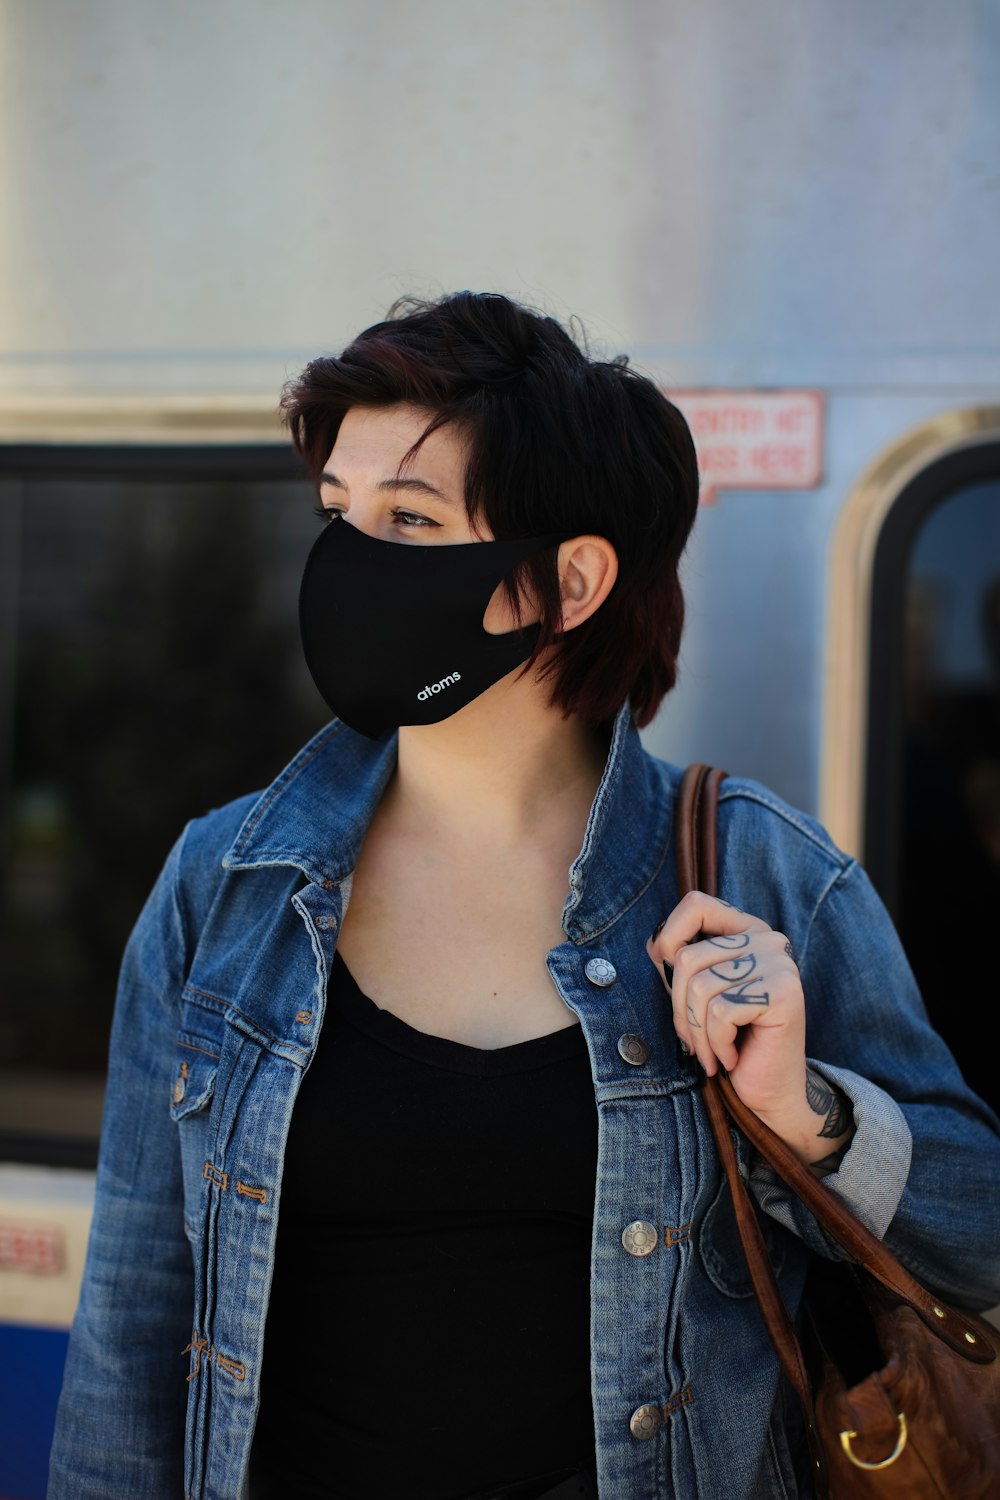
x=872 y=1175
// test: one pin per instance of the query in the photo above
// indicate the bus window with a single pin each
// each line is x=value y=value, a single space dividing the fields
x=149 y=670
x=930 y=722
x=949 y=870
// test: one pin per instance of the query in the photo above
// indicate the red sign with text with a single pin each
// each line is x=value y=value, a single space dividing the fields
x=755 y=440
x=38 y=1248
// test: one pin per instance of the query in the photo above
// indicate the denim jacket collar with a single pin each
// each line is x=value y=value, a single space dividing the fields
x=314 y=817
x=627 y=839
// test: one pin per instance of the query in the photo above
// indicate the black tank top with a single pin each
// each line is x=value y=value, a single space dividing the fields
x=428 y=1328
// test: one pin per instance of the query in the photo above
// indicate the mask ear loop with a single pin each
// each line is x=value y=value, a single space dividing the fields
x=543 y=544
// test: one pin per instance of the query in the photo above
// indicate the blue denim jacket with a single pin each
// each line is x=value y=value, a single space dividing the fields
x=220 y=1004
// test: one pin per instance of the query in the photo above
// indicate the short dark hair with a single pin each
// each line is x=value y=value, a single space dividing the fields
x=557 y=442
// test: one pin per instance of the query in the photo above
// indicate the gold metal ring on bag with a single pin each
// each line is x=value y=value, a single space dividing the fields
x=859 y=1463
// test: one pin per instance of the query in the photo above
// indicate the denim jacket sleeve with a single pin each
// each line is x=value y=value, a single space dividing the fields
x=119 y=1429
x=923 y=1168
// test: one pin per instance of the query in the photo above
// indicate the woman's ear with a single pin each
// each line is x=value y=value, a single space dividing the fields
x=588 y=567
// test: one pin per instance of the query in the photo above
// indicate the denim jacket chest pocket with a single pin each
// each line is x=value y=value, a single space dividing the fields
x=721 y=1249
x=196 y=1063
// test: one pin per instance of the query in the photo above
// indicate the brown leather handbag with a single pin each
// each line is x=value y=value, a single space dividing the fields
x=920 y=1419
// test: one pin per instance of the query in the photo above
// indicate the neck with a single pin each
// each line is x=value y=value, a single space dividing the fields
x=504 y=768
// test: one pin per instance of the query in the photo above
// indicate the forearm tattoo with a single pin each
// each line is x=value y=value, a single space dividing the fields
x=830 y=1103
x=837 y=1116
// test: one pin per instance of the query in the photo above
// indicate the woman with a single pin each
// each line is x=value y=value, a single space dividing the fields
x=490 y=1245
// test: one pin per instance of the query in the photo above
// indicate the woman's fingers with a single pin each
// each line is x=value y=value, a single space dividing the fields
x=697 y=914
x=716 y=999
x=723 y=969
x=693 y=917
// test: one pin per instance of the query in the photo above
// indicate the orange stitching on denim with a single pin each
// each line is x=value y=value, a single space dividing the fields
x=232 y=1367
x=251 y=1192
x=221 y=1179
x=255 y=1024
x=200 y=1346
x=684 y=1398
x=263 y=1031
x=192 y=989
x=190 y=1046
x=304 y=1016
x=674 y=1234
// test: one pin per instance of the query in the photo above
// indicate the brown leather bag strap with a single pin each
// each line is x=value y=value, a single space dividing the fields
x=698 y=802
x=948 y=1323
x=696 y=845
x=686 y=827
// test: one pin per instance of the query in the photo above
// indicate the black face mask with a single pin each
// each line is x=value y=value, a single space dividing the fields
x=393 y=632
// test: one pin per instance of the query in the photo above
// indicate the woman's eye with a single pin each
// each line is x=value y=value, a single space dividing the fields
x=410 y=518
x=327 y=513
x=402 y=518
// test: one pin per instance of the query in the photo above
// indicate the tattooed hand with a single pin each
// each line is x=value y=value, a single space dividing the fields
x=737 y=1000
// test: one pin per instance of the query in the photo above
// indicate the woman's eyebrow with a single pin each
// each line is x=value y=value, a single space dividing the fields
x=399 y=482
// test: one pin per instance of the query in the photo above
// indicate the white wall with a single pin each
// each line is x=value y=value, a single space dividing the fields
x=199 y=195
x=197 y=191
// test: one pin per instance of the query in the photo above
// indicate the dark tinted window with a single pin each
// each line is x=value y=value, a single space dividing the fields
x=933 y=820
x=149 y=669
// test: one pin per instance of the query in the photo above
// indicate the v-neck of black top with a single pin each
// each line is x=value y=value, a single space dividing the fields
x=433 y=1263
x=386 y=1028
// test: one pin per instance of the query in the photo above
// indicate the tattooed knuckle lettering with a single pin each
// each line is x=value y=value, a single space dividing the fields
x=745 y=994
x=732 y=941
x=735 y=968
x=693 y=1019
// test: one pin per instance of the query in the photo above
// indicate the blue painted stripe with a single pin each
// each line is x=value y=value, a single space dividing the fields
x=31 y=1371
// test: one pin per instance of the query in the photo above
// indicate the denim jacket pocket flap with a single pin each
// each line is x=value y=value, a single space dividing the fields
x=722 y=1251
x=193 y=1080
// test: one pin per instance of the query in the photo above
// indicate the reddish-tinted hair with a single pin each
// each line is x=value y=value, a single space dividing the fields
x=557 y=442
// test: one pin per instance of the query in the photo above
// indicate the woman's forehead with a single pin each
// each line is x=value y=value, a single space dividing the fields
x=373 y=443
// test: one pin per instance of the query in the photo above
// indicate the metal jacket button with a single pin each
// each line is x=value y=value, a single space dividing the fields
x=639 y=1238
x=326 y=921
x=600 y=971
x=180 y=1088
x=633 y=1050
x=645 y=1422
